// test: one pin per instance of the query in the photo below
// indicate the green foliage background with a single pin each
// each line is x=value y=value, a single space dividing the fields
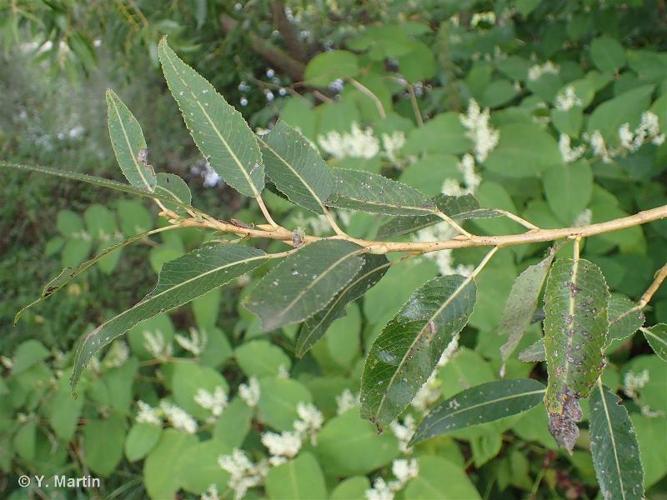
x=422 y=62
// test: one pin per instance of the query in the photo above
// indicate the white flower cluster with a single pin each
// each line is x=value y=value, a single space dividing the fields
x=357 y=143
x=430 y=391
x=147 y=414
x=536 y=71
x=195 y=343
x=310 y=421
x=403 y=470
x=244 y=474
x=282 y=446
x=483 y=17
x=215 y=401
x=584 y=218
x=117 y=354
x=633 y=382
x=392 y=143
x=567 y=152
x=346 y=401
x=484 y=137
x=567 y=99
x=249 y=392
x=444 y=259
x=471 y=179
x=178 y=417
x=156 y=345
x=211 y=493
x=404 y=432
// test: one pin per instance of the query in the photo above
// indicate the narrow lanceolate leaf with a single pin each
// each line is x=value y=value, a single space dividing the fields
x=458 y=208
x=407 y=351
x=614 y=447
x=374 y=268
x=376 y=194
x=89 y=179
x=129 y=145
x=522 y=303
x=304 y=283
x=481 y=404
x=534 y=353
x=180 y=281
x=624 y=320
x=575 y=331
x=296 y=167
x=219 y=131
x=68 y=274
x=656 y=336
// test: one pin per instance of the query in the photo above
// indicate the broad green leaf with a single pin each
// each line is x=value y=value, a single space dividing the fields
x=624 y=320
x=443 y=134
x=162 y=467
x=103 y=444
x=374 y=268
x=134 y=218
x=68 y=274
x=24 y=440
x=568 y=189
x=534 y=353
x=28 y=354
x=298 y=479
x=141 y=439
x=260 y=358
x=625 y=108
x=575 y=331
x=477 y=405
x=89 y=179
x=459 y=208
x=406 y=352
x=278 y=401
x=651 y=430
x=64 y=412
x=511 y=158
x=353 y=488
x=234 y=424
x=440 y=479
x=607 y=54
x=187 y=378
x=305 y=282
x=522 y=303
x=348 y=445
x=656 y=336
x=199 y=466
x=614 y=447
x=296 y=167
x=219 y=131
x=375 y=193
x=129 y=145
x=180 y=281
x=328 y=66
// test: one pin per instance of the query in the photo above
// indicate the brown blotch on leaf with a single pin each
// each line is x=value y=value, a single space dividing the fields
x=563 y=425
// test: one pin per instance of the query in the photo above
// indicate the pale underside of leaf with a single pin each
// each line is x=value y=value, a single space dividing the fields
x=180 y=281
x=575 y=331
x=477 y=405
x=296 y=168
x=220 y=132
x=614 y=447
x=127 y=140
x=656 y=336
x=304 y=283
x=624 y=320
x=522 y=303
x=373 y=193
x=314 y=328
x=408 y=349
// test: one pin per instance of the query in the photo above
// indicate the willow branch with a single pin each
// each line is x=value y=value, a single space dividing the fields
x=650 y=291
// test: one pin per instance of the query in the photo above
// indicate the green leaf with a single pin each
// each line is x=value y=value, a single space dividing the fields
x=575 y=331
x=187 y=379
x=328 y=66
x=162 y=467
x=260 y=358
x=406 y=352
x=607 y=54
x=624 y=320
x=348 y=445
x=298 y=479
x=511 y=158
x=374 y=268
x=199 y=467
x=234 y=424
x=305 y=282
x=180 y=281
x=480 y=404
x=129 y=145
x=440 y=479
x=522 y=303
x=103 y=444
x=141 y=439
x=568 y=189
x=220 y=132
x=64 y=412
x=459 y=208
x=24 y=440
x=296 y=167
x=443 y=134
x=278 y=401
x=28 y=354
x=614 y=447
x=373 y=193
x=534 y=353
x=656 y=336
x=174 y=191
x=353 y=488
x=625 y=108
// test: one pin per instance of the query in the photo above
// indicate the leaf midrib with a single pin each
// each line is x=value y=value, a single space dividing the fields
x=611 y=436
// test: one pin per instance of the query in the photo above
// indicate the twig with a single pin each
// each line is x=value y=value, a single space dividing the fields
x=659 y=277
x=369 y=93
x=415 y=106
x=453 y=223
